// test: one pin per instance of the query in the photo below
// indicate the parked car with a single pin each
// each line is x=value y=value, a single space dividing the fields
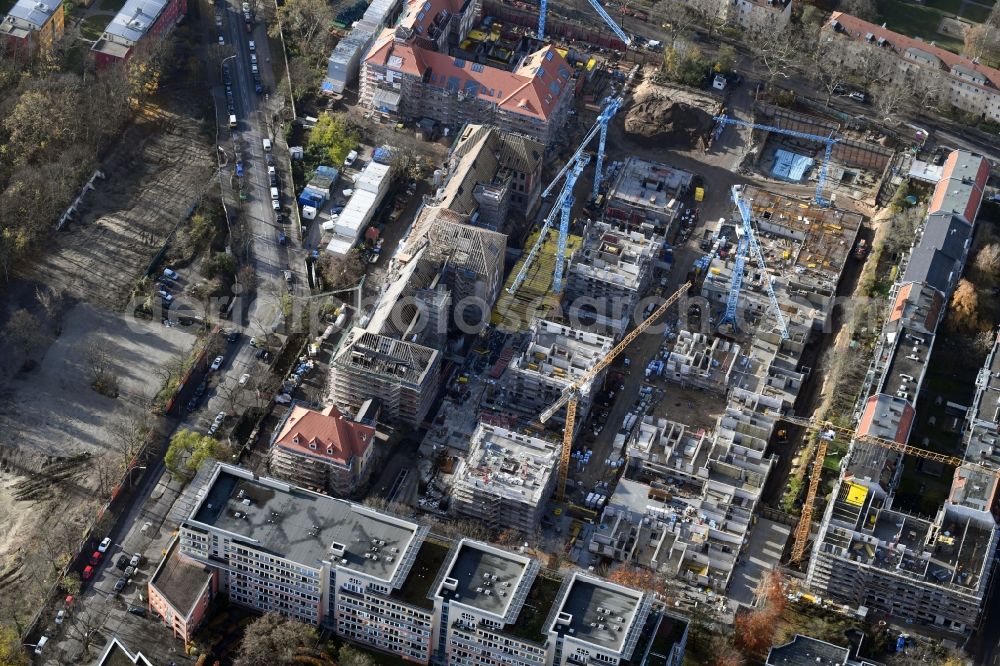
x=129 y=571
x=95 y=558
x=137 y=610
x=222 y=41
x=105 y=544
x=217 y=363
x=136 y=558
x=88 y=573
x=253 y=47
x=173 y=275
x=122 y=562
x=120 y=585
x=859 y=97
x=193 y=404
x=244 y=378
x=233 y=336
x=60 y=616
x=165 y=295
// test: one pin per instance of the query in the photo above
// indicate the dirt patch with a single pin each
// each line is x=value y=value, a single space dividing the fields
x=154 y=176
x=670 y=117
x=56 y=444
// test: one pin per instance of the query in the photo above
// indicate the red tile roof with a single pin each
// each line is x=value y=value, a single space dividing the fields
x=900 y=306
x=532 y=89
x=857 y=28
x=334 y=436
x=950 y=173
x=868 y=418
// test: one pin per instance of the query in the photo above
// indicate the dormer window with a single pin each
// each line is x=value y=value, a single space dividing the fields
x=312 y=445
x=329 y=450
x=296 y=440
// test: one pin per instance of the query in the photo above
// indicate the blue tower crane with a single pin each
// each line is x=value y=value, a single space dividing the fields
x=562 y=205
x=828 y=140
x=750 y=237
x=567 y=205
x=729 y=318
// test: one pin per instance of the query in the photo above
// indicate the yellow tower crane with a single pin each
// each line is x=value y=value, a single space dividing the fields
x=827 y=432
x=571 y=394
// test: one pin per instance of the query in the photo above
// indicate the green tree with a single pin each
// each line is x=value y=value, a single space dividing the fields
x=202 y=229
x=11 y=652
x=220 y=264
x=726 y=59
x=331 y=139
x=188 y=450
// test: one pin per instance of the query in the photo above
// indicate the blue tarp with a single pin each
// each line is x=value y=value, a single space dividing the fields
x=791 y=166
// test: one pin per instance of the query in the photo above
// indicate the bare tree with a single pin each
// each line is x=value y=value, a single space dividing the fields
x=103 y=378
x=889 y=99
x=22 y=332
x=869 y=63
x=824 y=63
x=777 y=52
x=130 y=431
x=677 y=18
x=86 y=624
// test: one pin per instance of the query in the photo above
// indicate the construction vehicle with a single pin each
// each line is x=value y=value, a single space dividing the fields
x=571 y=394
x=828 y=432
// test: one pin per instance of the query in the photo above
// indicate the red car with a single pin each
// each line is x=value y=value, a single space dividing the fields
x=95 y=559
x=88 y=573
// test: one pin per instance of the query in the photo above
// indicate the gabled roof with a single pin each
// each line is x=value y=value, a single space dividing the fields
x=325 y=434
x=917 y=306
x=960 y=189
x=859 y=29
x=947 y=233
x=887 y=417
x=932 y=267
x=532 y=89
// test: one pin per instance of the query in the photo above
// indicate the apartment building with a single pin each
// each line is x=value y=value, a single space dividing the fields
x=702 y=361
x=181 y=591
x=409 y=73
x=323 y=450
x=138 y=22
x=966 y=84
x=320 y=560
x=608 y=275
x=664 y=450
x=756 y=17
x=378 y=580
x=934 y=572
x=31 y=26
x=808 y=651
x=505 y=479
x=553 y=358
x=983 y=425
x=491 y=174
x=116 y=653
x=345 y=60
x=646 y=193
x=403 y=375
x=494 y=607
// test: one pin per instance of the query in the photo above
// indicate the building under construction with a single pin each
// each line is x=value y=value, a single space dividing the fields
x=555 y=357
x=505 y=479
x=610 y=273
x=644 y=193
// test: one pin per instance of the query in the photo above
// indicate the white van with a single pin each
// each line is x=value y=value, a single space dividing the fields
x=351 y=156
x=232 y=121
x=41 y=643
x=274 y=194
x=267 y=145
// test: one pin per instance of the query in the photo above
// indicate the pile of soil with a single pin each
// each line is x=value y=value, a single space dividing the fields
x=668 y=123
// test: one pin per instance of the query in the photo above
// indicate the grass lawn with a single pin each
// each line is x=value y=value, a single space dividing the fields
x=93 y=27
x=975 y=13
x=111 y=5
x=921 y=20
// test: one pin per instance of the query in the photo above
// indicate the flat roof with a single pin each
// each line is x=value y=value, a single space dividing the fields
x=598 y=612
x=649 y=185
x=560 y=353
x=131 y=23
x=613 y=256
x=807 y=651
x=509 y=464
x=488 y=579
x=302 y=526
x=30 y=12
x=180 y=582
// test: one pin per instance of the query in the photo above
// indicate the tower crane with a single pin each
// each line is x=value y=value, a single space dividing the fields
x=748 y=243
x=622 y=35
x=571 y=394
x=576 y=163
x=828 y=432
x=562 y=204
x=830 y=142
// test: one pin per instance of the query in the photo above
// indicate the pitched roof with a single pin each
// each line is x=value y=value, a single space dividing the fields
x=960 y=189
x=931 y=266
x=857 y=28
x=32 y=13
x=326 y=434
x=917 y=305
x=532 y=89
x=947 y=233
x=887 y=417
